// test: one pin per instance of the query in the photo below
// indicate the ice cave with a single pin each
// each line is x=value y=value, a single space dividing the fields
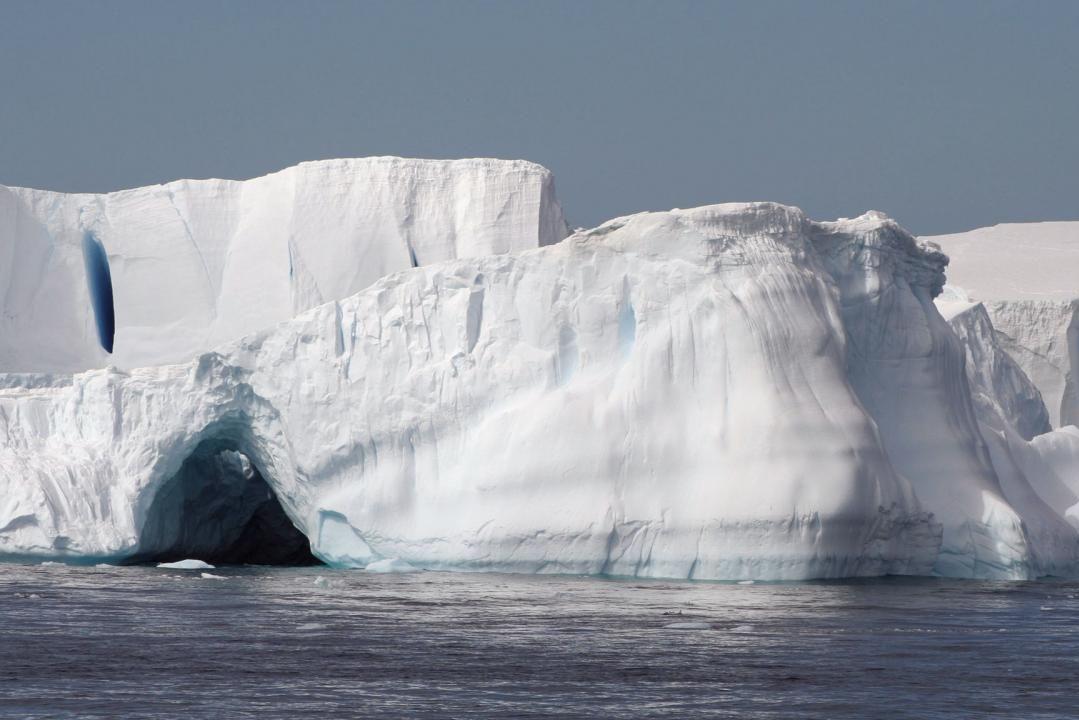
x=220 y=509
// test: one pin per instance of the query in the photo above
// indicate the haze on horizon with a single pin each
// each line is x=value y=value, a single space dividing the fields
x=946 y=117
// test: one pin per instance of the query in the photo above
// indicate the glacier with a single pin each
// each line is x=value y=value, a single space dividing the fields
x=727 y=392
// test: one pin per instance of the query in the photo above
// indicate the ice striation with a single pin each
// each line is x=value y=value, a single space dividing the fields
x=728 y=392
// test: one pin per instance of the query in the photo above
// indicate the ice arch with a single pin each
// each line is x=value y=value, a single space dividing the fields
x=219 y=508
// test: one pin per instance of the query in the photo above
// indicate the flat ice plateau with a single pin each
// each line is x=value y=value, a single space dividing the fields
x=405 y=365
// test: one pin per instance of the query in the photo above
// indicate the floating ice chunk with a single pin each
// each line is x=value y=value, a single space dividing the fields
x=211 y=576
x=391 y=565
x=742 y=629
x=309 y=627
x=50 y=563
x=322 y=582
x=688 y=626
x=745 y=582
x=186 y=565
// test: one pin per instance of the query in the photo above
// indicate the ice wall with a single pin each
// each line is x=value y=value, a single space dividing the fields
x=196 y=263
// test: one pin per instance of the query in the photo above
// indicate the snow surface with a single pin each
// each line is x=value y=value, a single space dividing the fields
x=727 y=392
x=186 y=266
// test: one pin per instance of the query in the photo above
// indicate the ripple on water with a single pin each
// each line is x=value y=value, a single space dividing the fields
x=311 y=642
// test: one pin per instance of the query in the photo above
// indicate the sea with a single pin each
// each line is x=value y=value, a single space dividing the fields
x=311 y=642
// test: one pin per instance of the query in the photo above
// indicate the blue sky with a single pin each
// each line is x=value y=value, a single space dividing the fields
x=945 y=115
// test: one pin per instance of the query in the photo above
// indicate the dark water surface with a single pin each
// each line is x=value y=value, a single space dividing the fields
x=281 y=643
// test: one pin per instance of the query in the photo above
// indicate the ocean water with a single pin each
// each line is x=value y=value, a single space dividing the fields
x=315 y=643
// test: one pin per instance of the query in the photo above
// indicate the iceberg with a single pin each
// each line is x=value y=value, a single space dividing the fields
x=727 y=392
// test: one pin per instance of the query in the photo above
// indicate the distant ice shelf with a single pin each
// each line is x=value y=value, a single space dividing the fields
x=1025 y=276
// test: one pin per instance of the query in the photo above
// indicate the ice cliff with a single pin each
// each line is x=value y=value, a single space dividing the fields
x=728 y=392
x=157 y=274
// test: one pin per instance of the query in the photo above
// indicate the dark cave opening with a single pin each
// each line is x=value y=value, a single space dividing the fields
x=219 y=508
x=99 y=282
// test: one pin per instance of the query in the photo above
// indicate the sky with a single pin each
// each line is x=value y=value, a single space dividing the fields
x=945 y=115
